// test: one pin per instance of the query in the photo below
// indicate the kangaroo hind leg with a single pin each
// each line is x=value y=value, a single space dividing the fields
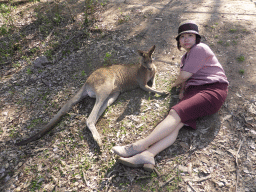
x=99 y=107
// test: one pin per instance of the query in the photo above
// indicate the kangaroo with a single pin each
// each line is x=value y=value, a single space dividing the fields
x=106 y=84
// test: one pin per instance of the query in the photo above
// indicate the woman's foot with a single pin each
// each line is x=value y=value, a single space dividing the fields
x=144 y=159
x=127 y=150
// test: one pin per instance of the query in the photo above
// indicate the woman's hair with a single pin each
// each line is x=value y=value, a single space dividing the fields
x=198 y=40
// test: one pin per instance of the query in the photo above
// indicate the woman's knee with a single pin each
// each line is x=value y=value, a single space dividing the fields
x=175 y=115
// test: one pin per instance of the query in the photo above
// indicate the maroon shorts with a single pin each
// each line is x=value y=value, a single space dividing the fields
x=199 y=101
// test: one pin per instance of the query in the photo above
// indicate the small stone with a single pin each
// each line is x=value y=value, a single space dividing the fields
x=157 y=105
x=2 y=170
x=55 y=149
x=190 y=168
x=7 y=178
x=40 y=62
x=253 y=132
x=220 y=184
x=183 y=168
x=246 y=170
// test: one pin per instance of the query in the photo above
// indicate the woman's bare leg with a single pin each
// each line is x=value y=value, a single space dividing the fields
x=165 y=142
x=146 y=158
x=172 y=123
x=169 y=127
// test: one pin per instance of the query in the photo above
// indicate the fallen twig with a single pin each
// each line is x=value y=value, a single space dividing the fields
x=190 y=185
x=237 y=168
x=167 y=181
x=108 y=182
x=158 y=174
x=186 y=179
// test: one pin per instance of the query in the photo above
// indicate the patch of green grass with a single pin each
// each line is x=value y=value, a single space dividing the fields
x=141 y=128
x=49 y=53
x=86 y=164
x=220 y=42
x=245 y=30
x=16 y=65
x=57 y=19
x=13 y=132
x=241 y=58
x=35 y=122
x=89 y=8
x=5 y=12
x=19 y=102
x=35 y=184
x=232 y=30
x=11 y=92
x=123 y=130
x=66 y=53
x=122 y=20
x=107 y=59
x=33 y=50
x=4 y=30
x=44 y=96
x=83 y=73
x=234 y=42
x=241 y=71
x=29 y=71
x=227 y=44
x=107 y=55
x=26 y=169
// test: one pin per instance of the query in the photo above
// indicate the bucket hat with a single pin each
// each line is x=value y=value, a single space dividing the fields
x=188 y=26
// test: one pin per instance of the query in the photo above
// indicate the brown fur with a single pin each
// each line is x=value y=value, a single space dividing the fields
x=105 y=84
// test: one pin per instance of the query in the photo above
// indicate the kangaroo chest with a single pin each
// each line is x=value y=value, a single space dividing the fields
x=134 y=77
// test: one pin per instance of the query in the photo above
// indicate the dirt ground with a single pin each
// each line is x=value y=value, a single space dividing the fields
x=77 y=39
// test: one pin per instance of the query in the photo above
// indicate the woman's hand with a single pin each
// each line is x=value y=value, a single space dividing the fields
x=181 y=95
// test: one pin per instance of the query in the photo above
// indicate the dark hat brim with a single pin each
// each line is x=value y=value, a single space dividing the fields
x=190 y=31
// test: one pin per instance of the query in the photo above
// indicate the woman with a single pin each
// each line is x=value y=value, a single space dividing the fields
x=204 y=88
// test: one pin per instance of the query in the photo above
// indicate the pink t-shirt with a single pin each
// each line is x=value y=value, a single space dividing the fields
x=204 y=65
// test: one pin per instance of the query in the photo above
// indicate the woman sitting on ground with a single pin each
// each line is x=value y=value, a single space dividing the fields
x=204 y=88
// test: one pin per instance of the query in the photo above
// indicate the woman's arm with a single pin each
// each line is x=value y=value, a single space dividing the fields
x=182 y=78
x=182 y=89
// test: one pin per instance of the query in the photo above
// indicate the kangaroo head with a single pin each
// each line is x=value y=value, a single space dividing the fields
x=146 y=59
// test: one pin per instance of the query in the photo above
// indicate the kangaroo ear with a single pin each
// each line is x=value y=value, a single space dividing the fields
x=152 y=50
x=141 y=53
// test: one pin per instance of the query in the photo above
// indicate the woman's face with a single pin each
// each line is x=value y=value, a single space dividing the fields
x=187 y=40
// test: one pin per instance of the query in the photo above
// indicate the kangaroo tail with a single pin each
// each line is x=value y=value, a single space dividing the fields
x=78 y=97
